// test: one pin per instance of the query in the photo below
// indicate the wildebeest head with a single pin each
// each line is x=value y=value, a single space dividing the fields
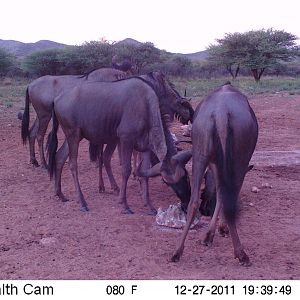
x=182 y=189
x=174 y=174
x=171 y=103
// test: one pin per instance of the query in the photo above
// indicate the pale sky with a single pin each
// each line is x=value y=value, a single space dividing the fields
x=183 y=26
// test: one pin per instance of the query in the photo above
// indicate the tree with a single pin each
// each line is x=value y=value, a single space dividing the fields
x=255 y=50
x=141 y=56
x=96 y=54
x=228 y=52
x=7 y=61
x=46 y=62
x=72 y=60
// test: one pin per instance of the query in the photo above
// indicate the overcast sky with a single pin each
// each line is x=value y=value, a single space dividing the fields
x=183 y=26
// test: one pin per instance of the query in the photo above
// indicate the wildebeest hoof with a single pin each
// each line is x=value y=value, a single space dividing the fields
x=101 y=189
x=208 y=239
x=115 y=190
x=34 y=163
x=243 y=259
x=175 y=258
x=20 y=115
x=62 y=197
x=127 y=211
x=246 y=263
x=152 y=212
x=45 y=167
x=223 y=230
x=84 y=209
x=207 y=242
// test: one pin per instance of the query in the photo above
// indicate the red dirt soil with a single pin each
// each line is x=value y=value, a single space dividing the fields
x=43 y=238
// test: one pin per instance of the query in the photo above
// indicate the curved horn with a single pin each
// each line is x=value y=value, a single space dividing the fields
x=182 y=157
x=175 y=177
x=152 y=172
x=179 y=161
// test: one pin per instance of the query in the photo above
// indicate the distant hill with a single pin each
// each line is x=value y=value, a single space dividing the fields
x=193 y=56
x=20 y=49
x=129 y=41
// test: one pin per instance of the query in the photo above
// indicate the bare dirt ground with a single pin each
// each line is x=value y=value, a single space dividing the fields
x=42 y=238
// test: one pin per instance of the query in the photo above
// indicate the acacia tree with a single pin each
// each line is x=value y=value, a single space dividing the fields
x=255 y=50
x=228 y=53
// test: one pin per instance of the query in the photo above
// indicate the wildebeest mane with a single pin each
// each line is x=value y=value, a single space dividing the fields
x=86 y=75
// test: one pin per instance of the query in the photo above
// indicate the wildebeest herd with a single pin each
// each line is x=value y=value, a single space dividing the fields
x=113 y=108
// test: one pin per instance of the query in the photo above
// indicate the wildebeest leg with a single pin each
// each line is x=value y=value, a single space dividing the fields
x=107 y=155
x=126 y=153
x=223 y=228
x=144 y=181
x=60 y=159
x=199 y=166
x=237 y=246
x=43 y=124
x=73 y=143
x=32 y=136
x=213 y=223
x=100 y=166
x=134 y=163
x=119 y=154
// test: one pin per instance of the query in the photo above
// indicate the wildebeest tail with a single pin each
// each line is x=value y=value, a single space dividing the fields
x=94 y=152
x=225 y=164
x=52 y=144
x=25 y=119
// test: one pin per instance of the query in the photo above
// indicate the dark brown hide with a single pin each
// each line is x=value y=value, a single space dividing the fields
x=224 y=136
x=126 y=111
x=41 y=93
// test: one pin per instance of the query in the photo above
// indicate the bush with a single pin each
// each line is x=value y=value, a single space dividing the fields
x=7 y=62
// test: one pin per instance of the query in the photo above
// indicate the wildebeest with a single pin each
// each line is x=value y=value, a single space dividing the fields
x=149 y=166
x=148 y=158
x=41 y=93
x=127 y=111
x=224 y=136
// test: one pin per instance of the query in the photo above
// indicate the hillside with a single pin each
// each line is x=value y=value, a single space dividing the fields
x=194 y=56
x=197 y=56
x=20 y=49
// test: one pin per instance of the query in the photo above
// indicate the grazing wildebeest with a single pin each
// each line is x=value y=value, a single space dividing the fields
x=182 y=185
x=127 y=112
x=41 y=93
x=224 y=136
x=148 y=159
